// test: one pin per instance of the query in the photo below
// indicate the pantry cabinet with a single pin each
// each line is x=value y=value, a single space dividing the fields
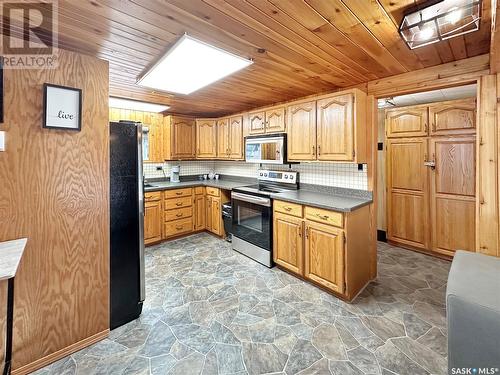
x=332 y=128
x=453 y=117
x=179 y=138
x=206 y=139
x=325 y=247
x=153 y=218
x=407 y=122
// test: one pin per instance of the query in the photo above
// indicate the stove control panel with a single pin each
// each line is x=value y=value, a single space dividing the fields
x=277 y=176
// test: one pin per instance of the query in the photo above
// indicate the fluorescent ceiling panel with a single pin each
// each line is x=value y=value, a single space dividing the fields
x=136 y=105
x=190 y=65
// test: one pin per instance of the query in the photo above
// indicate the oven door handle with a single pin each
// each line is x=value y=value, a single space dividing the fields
x=252 y=199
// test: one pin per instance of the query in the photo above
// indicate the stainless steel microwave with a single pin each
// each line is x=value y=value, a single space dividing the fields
x=266 y=149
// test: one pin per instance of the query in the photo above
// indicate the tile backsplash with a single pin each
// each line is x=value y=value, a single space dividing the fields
x=344 y=175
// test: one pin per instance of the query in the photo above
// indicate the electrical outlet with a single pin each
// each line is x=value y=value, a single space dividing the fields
x=2 y=141
x=159 y=168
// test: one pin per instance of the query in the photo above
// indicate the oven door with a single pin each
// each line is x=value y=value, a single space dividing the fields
x=252 y=219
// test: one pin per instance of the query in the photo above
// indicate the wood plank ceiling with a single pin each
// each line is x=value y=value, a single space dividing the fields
x=300 y=47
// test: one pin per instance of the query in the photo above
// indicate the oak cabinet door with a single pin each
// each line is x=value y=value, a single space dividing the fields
x=208 y=215
x=335 y=140
x=199 y=212
x=288 y=246
x=275 y=120
x=453 y=117
x=216 y=216
x=236 y=138
x=406 y=122
x=206 y=139
x=324 y=256
x=183 y=132
x=256 y=123
x=408 y=192
x=223 y=138
x=453 y=194
x=301 y=122
x=152 y=222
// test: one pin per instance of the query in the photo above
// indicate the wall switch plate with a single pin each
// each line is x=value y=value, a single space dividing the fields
x=2 y=141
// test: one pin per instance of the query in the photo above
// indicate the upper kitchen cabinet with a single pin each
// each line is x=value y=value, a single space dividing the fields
x=270 y=120
x=406 y=122
x=275 y=120
x=341 y=129
x=223 y=134
x=333 y=128
x=453 y=117
x=179 y=138
x=152 y=131
x=256 y=123
x=206 y=139
x=236 y=138
x=302 y=131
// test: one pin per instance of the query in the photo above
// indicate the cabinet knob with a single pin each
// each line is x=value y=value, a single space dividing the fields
x=287 y=208
x=178 y=204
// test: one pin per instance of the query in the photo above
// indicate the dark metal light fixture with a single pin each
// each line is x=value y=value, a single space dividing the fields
x=439 y=20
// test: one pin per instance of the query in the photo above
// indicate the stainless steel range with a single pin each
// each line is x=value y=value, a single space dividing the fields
x=253 y=213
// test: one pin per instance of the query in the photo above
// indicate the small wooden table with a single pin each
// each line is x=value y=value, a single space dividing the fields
x=11 y=253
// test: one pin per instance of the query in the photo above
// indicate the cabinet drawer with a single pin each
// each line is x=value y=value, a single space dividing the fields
x=324 y=216
x=152 y=196
x=180 y=213
x=214 y=192
x=198 y=190
x=172 y=204
x=177 y=227
x=178 y=193
x=288 y=208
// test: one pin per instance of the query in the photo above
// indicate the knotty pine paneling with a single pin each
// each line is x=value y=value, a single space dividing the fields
x=55 y=192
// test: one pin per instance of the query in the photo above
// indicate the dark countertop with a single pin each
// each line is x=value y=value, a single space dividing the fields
x=327 y=201
x=330 y=198
x=221 y=184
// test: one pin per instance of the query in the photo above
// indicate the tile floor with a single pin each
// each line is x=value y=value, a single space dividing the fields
x=210 y=310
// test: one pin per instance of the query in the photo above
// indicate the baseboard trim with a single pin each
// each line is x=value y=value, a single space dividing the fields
x=47 y=360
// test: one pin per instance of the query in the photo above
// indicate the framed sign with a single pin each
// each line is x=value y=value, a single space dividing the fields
x=62 y=107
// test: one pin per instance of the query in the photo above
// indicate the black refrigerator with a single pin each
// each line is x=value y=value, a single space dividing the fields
x=127 y=290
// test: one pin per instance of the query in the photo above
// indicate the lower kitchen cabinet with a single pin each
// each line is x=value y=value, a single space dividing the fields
x=153 y=217
x=177 y=212
x=324 y=255
x=331 y=249
x=287 y=242
x=200 y=210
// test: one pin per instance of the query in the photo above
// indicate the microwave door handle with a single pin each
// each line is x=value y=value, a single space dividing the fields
x=251 y=199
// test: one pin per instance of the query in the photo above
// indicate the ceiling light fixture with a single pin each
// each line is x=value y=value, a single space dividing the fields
x=438 y=20
x=136 y=105
x=190 y=65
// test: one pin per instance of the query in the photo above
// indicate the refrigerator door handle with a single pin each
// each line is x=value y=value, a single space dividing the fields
x=140 y=181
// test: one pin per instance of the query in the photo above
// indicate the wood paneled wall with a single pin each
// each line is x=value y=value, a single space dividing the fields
x=488 y=210
x=55 y=191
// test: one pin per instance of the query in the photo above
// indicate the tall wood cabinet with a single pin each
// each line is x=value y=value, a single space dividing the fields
x=431 y=174
x=332 y=128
